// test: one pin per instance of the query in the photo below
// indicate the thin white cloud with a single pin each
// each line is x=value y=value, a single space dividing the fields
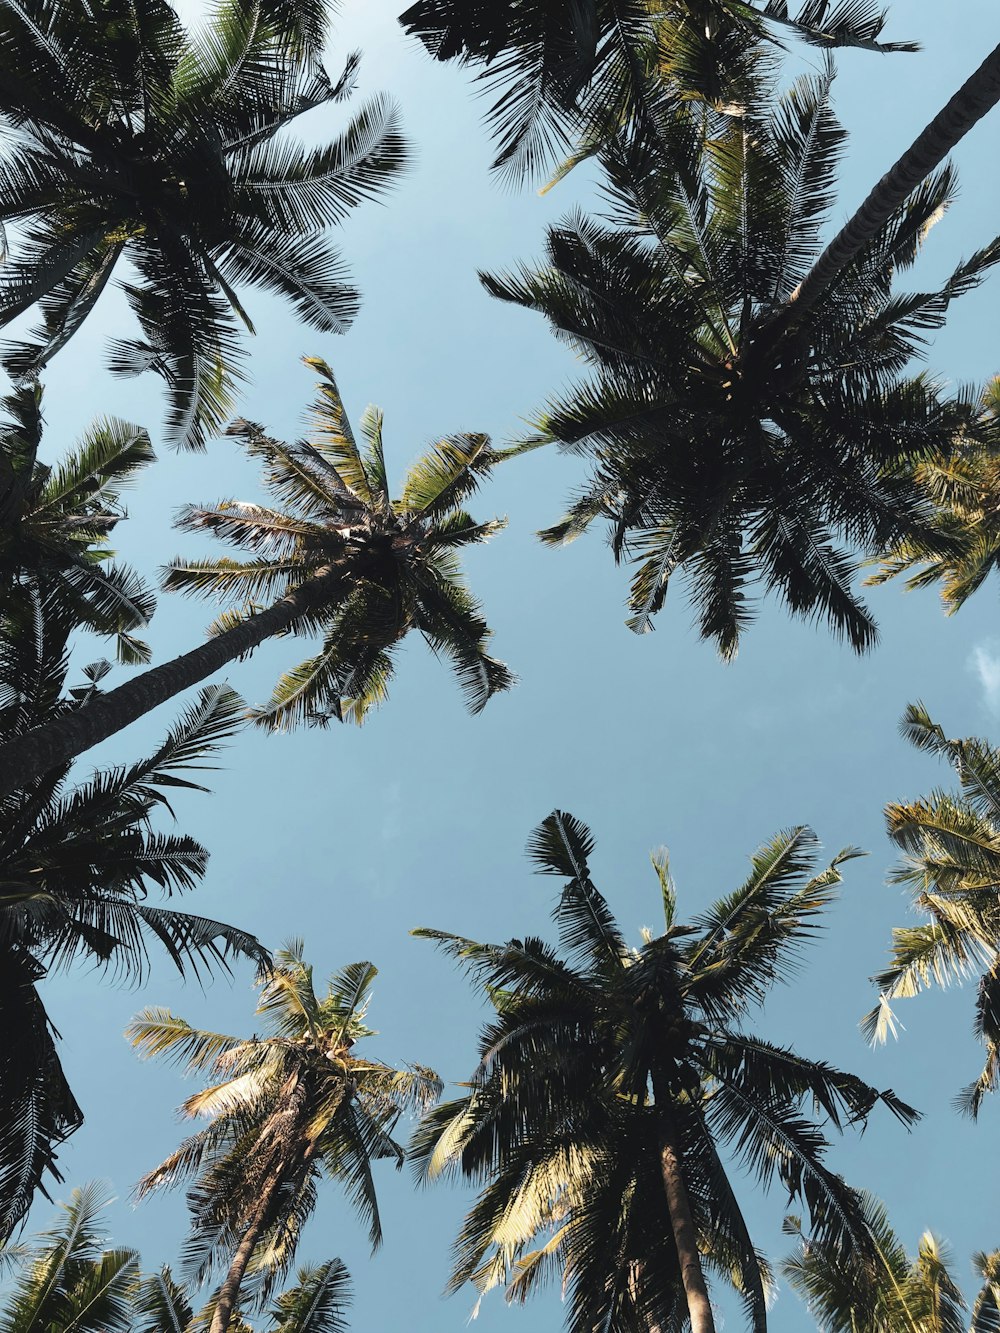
x=985 y=661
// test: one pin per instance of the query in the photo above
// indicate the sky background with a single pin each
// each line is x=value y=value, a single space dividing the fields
x=351 y=837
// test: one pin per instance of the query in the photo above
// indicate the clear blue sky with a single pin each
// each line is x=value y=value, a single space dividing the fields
x=350 y=838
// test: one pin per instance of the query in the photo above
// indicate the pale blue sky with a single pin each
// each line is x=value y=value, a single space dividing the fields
x=350 y=838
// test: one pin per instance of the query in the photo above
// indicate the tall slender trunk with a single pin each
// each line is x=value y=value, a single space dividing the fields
x=286 y=1128
x=55 y=743
x=229 y=1292
x=681 y=1218
x=978 y=95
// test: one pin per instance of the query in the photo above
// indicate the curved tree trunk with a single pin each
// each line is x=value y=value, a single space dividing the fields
x=55 y=743
x=681 y=1219
x=978 y=95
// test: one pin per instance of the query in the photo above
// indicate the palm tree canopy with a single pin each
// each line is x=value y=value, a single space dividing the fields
x=55 y=522
x=736 y=454
x=132 y=140
x=964 y=487
x=76 y=864
x=282 y=1110
x=901 y=1294
x=68 y=1282
x=316 y=1304
x=561 y=1121
x=566 y=73
x=951 y=865
x=392 y=565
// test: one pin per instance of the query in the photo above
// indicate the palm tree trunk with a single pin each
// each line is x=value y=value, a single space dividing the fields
x=978 y=95
x=681 y=1219
x=55 y=743
x=225 y=1302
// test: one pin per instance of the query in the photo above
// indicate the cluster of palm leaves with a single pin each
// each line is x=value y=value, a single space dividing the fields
x=753 y=423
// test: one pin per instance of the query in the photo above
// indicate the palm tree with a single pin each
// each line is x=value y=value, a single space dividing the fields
x=55 y=522
x=964 y=487
x=68 y=1282
x=288 y=1109
x=76 y=864
x=132 y=140
x=952 y=867
x=901 y=1295
x=609 y=1079
x=737 y=462
x=340 y=558
x=314 y=1305
x=567 y=73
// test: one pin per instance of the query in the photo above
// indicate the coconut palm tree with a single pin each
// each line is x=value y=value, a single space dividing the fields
x=286 y=1110
x=55 y=522
x=76 y=864
x=314 y=1305
x=611 y=1077
x=951 y=866
x=964 y=487
x=132 y=141
x=570 y=72
x=341 y=558
x=67 y=1282
x=906 y=1295
x=740 y=462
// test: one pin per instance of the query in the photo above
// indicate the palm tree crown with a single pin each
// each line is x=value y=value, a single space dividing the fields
x=952 y=867
x=568 y=73
x=722 y=448
x=67 y=1282
x=55 y=523
x=610 y=1075
x=964 y=487
x=315 y=1304
x=286 y=1110
x=900 y=1294
x=132 y=140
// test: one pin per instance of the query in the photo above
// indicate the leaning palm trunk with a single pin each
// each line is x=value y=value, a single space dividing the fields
x=58 y=742
x=681 y=1218
x=978 y=95
x=225 y=1302
x=288 y=1130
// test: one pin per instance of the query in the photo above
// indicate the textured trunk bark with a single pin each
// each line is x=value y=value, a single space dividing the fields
x=286 y=1127
x=55 y=743
x=978 y=95
x=681 y=1219
x=230 y=1290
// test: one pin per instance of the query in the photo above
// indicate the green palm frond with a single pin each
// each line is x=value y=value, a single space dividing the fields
x=952 y=868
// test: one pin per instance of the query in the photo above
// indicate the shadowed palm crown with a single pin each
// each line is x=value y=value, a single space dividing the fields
x=609 y=1079
x=951 y=866
x=735 y=446
x=76 y=864
x=286 y=1110
x=55 y=523
x=569 y=72
x=900 y=1295
x=132 y=140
